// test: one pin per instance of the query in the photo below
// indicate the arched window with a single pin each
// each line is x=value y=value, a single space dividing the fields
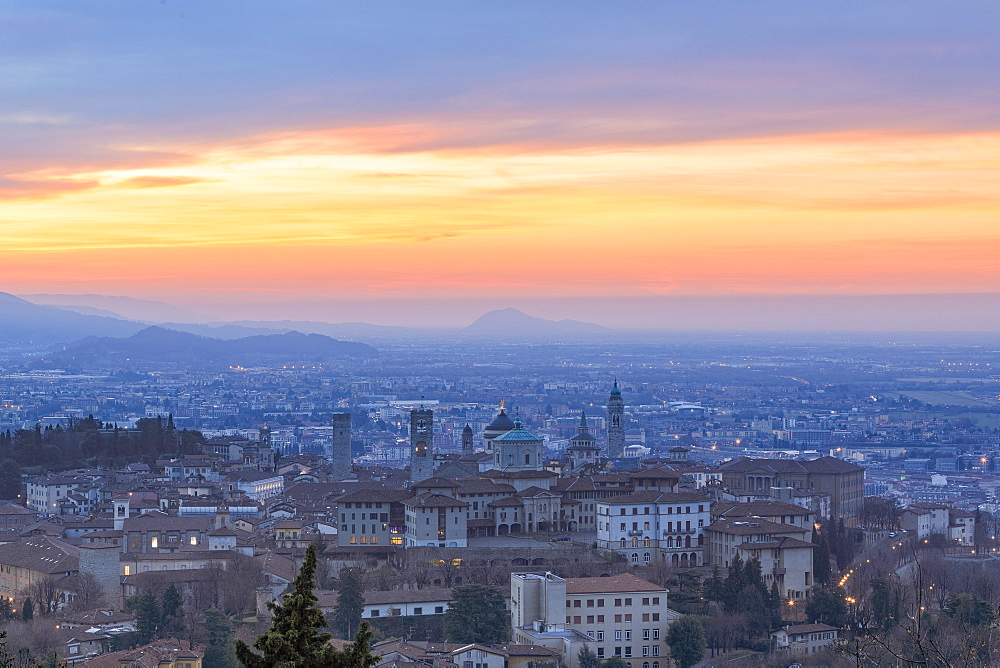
x=623 y=543
x=670 y=541
x=656 y=664
x=635 y=557
x=635 y=542
x=645 y=664
x=645 y=542
x=646 y=558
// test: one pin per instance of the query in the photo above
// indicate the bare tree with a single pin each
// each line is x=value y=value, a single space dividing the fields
x=238 y=584
x=45 y=595
x=89 y=593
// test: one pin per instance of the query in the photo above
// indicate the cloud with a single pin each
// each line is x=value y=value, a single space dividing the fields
x=160 y=181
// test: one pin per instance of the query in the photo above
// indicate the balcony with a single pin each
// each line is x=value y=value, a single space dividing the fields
x=777 y=570
x=636 y=532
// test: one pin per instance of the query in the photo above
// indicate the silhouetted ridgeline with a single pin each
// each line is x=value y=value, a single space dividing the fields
x=156 y=344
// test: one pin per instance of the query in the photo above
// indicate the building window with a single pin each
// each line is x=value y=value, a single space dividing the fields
x=618 y=636
x=656 y=650
x=628 y=651
x=645 y=634
x=376 y=613
x=418 y=611
x=600 y=635
x=154 y=542
x=600 y=652
x=645 y=650
x=396 y=540
x=194 y=540
x=628 y=633
x=438 y=609
x=656 y=634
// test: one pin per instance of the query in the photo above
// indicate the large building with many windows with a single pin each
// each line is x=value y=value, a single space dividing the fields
x=621 y=615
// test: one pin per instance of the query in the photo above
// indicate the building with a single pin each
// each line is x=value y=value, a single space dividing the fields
x=805 y=638
x=616 y=423
x=517 y=450
x=30 y=560
x=783 y=550
x=340 y=447
x=436 y=520
x=582 y=452
x=651 y=525
x=843 y=481
x=421 y=444
x=622 y=615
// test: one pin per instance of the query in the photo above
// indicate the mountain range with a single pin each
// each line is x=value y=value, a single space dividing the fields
x=156 y=344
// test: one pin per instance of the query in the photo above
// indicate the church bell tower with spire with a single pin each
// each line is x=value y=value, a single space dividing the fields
x=616 y=423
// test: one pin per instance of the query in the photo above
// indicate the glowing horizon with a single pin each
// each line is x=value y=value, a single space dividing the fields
x=541 y=186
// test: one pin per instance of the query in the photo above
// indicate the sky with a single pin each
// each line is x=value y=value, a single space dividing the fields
x=417 y=163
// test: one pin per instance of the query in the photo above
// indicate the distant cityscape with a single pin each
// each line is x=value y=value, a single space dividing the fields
x=652 y=460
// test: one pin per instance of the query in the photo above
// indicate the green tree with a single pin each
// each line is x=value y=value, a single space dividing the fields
x=294 y=639
x=587 y=658
x=821 y=559
x=969 y=609
x=172 y=612
x=614 y=662
x=827 y=606
x=350 y=602
x=219 y=636
x=148 y=616
x=477 y=614
x=27 y=610
x=686 y=638
x=10 y=479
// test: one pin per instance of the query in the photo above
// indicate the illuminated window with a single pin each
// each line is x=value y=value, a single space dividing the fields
x=397 y=540
x=374 y=540
x=194 y=540
x=128 y=570
x=154 y=542
x=354 y=539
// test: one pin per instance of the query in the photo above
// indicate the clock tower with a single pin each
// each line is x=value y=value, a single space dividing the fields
x=421 y=444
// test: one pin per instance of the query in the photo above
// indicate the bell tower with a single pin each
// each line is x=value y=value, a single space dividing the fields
x=616 y=423
x=421 y=444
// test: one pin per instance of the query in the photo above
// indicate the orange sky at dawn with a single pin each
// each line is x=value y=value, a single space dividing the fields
x=313 y=211
x=222 y=156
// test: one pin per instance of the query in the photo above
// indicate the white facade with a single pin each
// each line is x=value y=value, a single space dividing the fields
x=649 y=526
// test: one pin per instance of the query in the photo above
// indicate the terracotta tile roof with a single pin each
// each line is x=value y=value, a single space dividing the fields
x=621 y=583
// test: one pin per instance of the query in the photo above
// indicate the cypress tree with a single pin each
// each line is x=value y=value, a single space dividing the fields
x=294 y=639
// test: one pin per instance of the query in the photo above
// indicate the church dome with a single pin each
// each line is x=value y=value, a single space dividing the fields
x=501 y=423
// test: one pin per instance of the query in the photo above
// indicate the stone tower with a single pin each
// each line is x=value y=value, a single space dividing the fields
x=421 y=444
x=264 y=437
x=340 y=449
x=582 y=448
x=467 y=440
x=616 y=423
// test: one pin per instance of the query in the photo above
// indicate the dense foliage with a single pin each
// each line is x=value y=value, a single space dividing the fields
x=91 y=442
x=294 y=639
x=477 y=614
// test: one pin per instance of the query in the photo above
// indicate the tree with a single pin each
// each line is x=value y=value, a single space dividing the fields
x=89 y=592
x=969 y=609
x=172 y=613
x=827 y=606
x=148 y=616
x=219 y=635
x=686 y=638
x=294 y=639
x=614 y=662
x=10 y=479
x=27 y=610
x=476 y=614
x=350 y=601
x=587 y=658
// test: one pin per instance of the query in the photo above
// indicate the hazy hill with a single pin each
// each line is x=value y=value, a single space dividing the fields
x=156 y=344
x=127 y=308
x=26 y=323
x=510 y=323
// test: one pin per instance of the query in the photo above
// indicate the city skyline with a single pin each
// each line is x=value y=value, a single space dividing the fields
x=364 y=162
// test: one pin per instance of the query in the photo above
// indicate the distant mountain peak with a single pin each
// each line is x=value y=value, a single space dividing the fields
x=514 y=323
